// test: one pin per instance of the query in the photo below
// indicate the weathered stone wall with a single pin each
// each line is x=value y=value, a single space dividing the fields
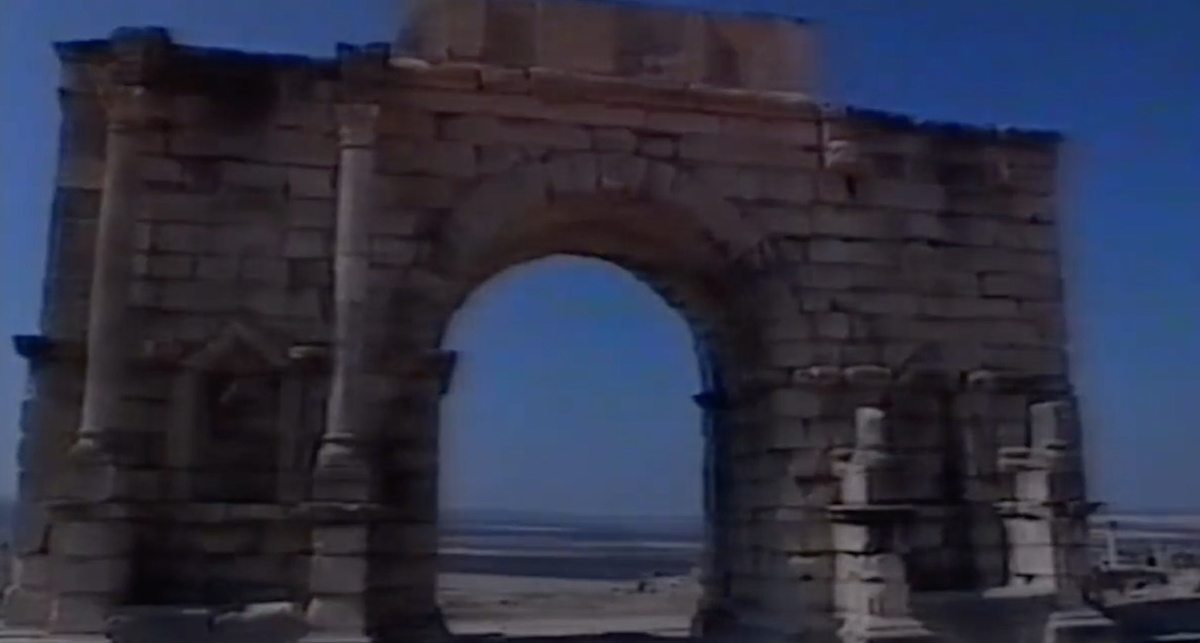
x=755 y=52
x=833 y=258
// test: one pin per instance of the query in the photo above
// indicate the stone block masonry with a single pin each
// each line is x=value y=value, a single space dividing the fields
x=254 y=258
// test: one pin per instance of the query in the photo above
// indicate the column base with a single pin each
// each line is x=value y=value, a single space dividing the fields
x=79 y=614
x=430 y=628
x=26 y=608
x=868 y=629
x=1083 y=625
x=711 y=621
x=279 y=622
x=334 y=616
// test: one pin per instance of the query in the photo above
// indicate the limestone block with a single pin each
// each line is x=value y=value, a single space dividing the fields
x=311 y=213
x=31 y=521
x=90 y=575
x=413 y=191
x=226 y=538
x=260 y=573
x=746 y=151
x=794 y=403
x=311 y=183
x=1025 y=287
x=804 y=537
x=153 y=624
x=395 y=250
x=332 y=575
x=90 y=539
x=304 y=137
x=79 y=613
x=578 y=173
x=578 y=36
x=842 y=251
x=264 y=270
x=83 y=173
x=884 y=591
x=340 y=540
x=404 y=573
x=32 y=572
x=245 y=238
x=493 y=159
x=850 y=222
x=1032 y=560
x=445 y=158
x=253 y=175
x=1080 y=626
x=307 y=244
x=274 y=622
x=180 y=238
x=25 y=607
x=621 y=172
x=670 y=122
x=614 y=139
x=854 y=539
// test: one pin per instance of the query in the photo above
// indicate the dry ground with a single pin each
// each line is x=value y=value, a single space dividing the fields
x=516 y=606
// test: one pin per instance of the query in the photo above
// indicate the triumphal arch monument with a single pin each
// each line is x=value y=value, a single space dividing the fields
x=253 y=259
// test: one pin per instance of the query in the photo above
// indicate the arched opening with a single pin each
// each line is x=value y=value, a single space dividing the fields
x=706 y=262
x=571 y=457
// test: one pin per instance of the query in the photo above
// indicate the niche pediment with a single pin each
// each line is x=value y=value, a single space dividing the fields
x=240 y=349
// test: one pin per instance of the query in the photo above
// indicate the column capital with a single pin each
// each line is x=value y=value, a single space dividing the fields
x=357 y=124
x=363 y=71
x=135 y=59
x=138 y=55
x=126 y=107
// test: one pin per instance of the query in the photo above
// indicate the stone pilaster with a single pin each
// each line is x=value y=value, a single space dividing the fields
x=91 y=568
x=343 y=473
x=975 y=410
x=712 y=613
x=338 y=572
x=868 y=531
x=109 y=338
x=402 y=576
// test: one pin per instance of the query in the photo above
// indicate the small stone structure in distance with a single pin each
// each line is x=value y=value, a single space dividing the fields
x=253 y=260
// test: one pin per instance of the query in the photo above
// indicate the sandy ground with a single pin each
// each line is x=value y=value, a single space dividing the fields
x=515 y=606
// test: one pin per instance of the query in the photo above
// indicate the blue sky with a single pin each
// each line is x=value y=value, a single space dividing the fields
x=576 y=380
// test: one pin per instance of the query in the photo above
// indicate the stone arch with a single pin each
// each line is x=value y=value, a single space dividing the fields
x=657 y=221
x=536 y=185
x=564 y=204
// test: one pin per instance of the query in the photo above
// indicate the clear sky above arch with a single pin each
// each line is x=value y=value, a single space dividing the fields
x=573 y=394
x=1121 y=78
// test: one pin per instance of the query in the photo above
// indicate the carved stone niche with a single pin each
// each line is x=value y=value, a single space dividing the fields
x=235 y=434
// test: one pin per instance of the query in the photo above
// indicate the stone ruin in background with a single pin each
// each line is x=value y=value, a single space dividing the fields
x=253 y=259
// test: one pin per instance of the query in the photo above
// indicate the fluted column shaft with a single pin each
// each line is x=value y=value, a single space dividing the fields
x=108 y=334
x=343 y=475
x=91 y=579
x=341 y=471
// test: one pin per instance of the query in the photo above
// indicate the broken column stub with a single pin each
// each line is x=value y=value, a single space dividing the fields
x=869 y=522
x=1046 y=522
x=767 y=53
